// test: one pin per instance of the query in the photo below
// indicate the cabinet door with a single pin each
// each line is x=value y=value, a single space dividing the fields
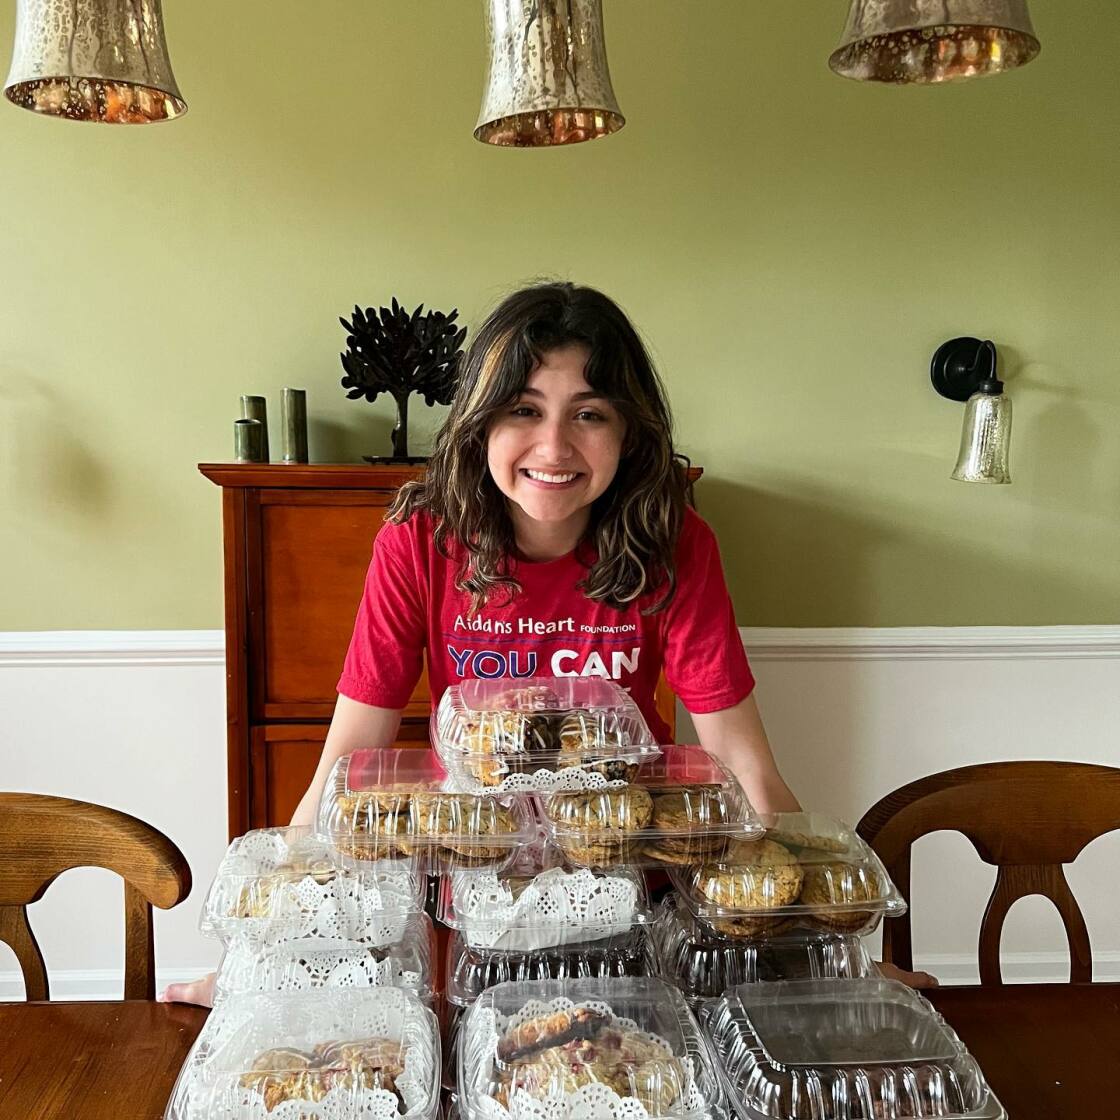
x=307 y=552
x=283 y=761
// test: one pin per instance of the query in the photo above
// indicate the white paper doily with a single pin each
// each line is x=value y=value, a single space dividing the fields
x=370 y=905
x=485 y=1026
x=570 y=779
x=210 y=1087
x=558 y=908
x=299 y=966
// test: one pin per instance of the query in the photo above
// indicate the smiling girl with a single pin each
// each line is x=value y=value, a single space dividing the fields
x=551 y=536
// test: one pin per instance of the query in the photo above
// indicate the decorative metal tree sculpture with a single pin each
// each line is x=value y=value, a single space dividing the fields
x=392 y=351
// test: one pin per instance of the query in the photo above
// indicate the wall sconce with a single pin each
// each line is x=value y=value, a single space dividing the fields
x=964 y=369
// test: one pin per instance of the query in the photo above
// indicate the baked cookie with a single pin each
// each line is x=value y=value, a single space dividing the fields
x=533 y=1035
x=686 y=850
x=629 y=1062
x=258 y=898
x=754 y=875
x=588 y=739
x=285 y=1074
x=829 y=883
x=461 y=822
x=791 y=838
x=378 y=837
x=603 y=815
x=526 y=698
x=606 y=854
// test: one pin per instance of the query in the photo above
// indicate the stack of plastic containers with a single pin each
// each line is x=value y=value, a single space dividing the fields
x=540 y=915
x=766 y=941
x=792 y=904
x=322 y=1002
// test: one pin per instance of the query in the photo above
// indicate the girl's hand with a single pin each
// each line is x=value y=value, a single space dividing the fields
x=914 y=979
x=200 y=992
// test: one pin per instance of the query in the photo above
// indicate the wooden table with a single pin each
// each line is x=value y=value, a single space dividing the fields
x=1048 y=1050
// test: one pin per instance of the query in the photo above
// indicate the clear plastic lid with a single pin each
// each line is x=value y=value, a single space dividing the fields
x=495 y=729
x=843 y=1050
x=471 y=971
x=682 y=808
x=704 y=964
x=404 y=960
x=572 y=1048
x=313 y=1055
x=538 y=901
x=809 y=870
x=275 y=884
x=385 y=802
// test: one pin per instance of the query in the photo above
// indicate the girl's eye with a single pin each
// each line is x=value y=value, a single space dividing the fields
x=590 y=414
x=523 y=410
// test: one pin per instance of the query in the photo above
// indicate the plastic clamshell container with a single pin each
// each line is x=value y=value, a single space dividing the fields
x=277 y=884
x=843 y=1050
x=573 y=1048
x=305 y=965
x=315 y=1055
x=470 y=971
x=703 y=964
x=523 y=908
x=393 y=802
x=682 y=808
x=502 y=732
x=808 y=871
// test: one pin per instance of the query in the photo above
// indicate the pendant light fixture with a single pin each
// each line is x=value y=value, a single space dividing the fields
x=548 y=81
x=964 y=369
x=924 y=41
x=93 y=60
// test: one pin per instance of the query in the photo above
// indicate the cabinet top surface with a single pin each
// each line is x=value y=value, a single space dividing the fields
x=335 y=476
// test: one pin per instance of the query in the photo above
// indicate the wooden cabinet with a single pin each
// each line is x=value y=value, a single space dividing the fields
x=297 y=545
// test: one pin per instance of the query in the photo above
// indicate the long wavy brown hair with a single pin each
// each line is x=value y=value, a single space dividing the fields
x=635 y=524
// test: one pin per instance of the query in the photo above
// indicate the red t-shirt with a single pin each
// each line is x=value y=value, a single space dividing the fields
x=410 y=605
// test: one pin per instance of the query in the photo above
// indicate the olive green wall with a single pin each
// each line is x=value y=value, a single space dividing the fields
x=793 y=246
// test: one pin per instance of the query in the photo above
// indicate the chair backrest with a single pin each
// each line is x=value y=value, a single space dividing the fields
x=41 y=836
x=1026 y=818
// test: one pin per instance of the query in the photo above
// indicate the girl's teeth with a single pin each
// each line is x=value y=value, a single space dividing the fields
x=539 y=476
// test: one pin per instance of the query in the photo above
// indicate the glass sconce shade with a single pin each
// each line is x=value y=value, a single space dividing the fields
x=985 y=439
x=925 y=41
x=548 y=81
x=93 y=60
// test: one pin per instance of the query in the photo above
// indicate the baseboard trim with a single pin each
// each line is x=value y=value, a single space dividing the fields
x=949 y=968
x=92 y=983
x=929 y=643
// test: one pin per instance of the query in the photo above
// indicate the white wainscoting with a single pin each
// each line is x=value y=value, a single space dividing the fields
x=136 y=720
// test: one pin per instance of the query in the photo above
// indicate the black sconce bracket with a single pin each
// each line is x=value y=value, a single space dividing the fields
x=963 y=366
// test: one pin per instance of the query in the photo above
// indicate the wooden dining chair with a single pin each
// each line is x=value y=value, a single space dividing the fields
x=1025 y=818
x=40 y=837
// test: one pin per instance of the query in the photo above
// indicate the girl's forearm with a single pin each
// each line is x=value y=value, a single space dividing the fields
x=354 y=726
x=737 y=738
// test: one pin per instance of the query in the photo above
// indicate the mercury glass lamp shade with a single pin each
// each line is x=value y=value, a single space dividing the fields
x=985 y=439
x=927 y=41
x=93 y=60
x=548 y=81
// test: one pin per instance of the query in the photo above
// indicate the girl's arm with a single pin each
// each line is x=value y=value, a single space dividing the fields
x=354 y=726
x=737 y=738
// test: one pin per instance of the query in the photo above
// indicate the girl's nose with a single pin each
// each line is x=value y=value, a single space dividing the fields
x=554 y=442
